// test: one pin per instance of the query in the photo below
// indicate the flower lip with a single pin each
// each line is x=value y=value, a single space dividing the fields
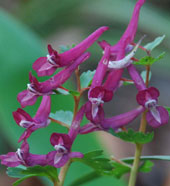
x=150 y=103
x=19 y=155
x=51 y=61
x=60 y=148
x=126 y=61
x=96 y=100
x=25 y=124
x=31 y=88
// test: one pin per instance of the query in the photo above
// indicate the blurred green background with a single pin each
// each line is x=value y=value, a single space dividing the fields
x=27 y=26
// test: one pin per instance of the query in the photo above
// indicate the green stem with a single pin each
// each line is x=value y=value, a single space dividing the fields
x=64 y=169
x=63 y=173
x=56 y=183
x=139 y=147
x=134 y=169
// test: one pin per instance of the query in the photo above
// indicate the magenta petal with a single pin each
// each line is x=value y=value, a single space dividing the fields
x=153 y=121
x=130 y=32
x=26 y=98
x=100 y=114
x=21 y=115
x=145 y=95
x=112 y=81
x=43 y=110
x=64 y=74
x=75 y=155
x=101 y=92
x=53 y=157
x=75 y=126
x=10 y=160
x=154 y=92
x=75 y=52
x=103 y=44
x=62 y=161
x=62 y=139
x=101 y=69
x=122 y=119
x=108 y=96
x=88 y=128
x=36 y=159
x=43 y=67
x=136 y=77
x=26 y=134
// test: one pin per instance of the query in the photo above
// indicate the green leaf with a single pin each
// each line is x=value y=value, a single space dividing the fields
x=146 y=166
x=74 y=93
x=134 y=137
x=161 y=157
x=93 y=154
x=63 y=116
x=47 y=171
x=119 y=169
x=125 y=83
x=148 y=60
x=86 y=178
x=150 y=46
x=143 y=75
x=103 y=166
x=15 y=172
x=86 y=78
x=168 y=109
x=22 y=179
x=92 y=159
x=61 y=91
x=24 y=173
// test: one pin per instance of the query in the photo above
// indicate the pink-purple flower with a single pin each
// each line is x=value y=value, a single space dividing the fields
x=46 y=66
x=40 y=120
x=62 y=144
x=156 y=115
x=101 y=123
x=23 y=157
x=36 y=89
x=98 y=94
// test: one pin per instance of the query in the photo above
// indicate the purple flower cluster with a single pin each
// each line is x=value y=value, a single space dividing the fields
x=106 y=81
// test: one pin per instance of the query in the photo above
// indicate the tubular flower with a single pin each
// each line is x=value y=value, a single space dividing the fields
x=46 y=66
x=126 y=61
x=114 y=122
x=40 y=120
x=62 y=144
x=124 y=45
x=98 y=94
x=23 y=157
x=156 y=115
x=136 y=77
x=36 y=89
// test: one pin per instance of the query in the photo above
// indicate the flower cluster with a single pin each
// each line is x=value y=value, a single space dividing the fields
x=107 y=79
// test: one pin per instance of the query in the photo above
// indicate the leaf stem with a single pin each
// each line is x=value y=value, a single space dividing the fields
x=77 y=72
x=56 y=183
x=120 y=162
x=60 y=123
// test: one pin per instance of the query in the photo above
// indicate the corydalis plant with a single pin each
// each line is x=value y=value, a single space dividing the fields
x=101 y=88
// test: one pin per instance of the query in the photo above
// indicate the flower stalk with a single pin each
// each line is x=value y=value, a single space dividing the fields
x=139 y=147
x=63 y=173
x=64 y=169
